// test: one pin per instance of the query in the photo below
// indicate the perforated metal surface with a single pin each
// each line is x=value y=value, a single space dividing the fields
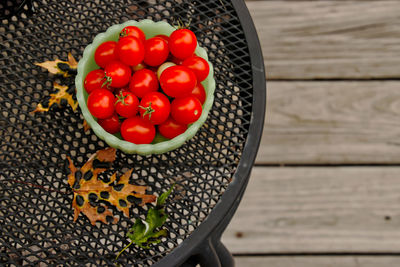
x=35 y=200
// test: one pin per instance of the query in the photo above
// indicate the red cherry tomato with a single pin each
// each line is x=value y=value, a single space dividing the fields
x=105 y=53
x=177 y=81
x=156 y=51
x=186 y=110
x=199 y=93
x=171 y=129
x=127 y=104
x=138 y=130
x=101 y=103
x=155 y=107
x=133 y=31
x=199 y=66
x=142 y=82
x=130 y=50
x=163 y=36
x=182 y=43
x=117 y=74
x=94 y=80
x=111 y=124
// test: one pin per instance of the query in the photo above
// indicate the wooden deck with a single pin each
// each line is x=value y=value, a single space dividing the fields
x=325 y=190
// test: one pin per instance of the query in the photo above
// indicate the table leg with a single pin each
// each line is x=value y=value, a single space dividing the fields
x=211 y=254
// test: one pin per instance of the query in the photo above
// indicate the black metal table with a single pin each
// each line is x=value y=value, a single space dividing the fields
x=36 y=218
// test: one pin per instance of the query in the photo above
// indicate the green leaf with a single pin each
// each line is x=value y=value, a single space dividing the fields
x=144 y=232
x=137 y=230
x=162 y=232
x=155 y=218
x=161 y=199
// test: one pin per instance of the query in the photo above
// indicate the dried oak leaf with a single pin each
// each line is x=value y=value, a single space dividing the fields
x=65 y=68
x=56 y=98
x=88 y=189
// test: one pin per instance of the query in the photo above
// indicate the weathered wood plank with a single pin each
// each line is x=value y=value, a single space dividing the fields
x=331 y=123
x=318 y=261
x=318 y=209
x=329 y=39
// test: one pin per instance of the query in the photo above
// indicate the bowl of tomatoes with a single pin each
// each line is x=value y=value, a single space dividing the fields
x=145 y=87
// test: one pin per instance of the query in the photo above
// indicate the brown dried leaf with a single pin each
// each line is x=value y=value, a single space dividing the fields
x=71 y=176
x=40 y=108
x=107 y=155
x=115 y=191
x=73 y=64
x=128 y=189
x=51 y=66
x=86 y=126
x=56 y=66
x=56 y=98
x=91 y=212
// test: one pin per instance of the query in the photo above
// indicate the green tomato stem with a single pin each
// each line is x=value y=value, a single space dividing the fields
x=107 y=82
x=121 y=98
x=149 y=110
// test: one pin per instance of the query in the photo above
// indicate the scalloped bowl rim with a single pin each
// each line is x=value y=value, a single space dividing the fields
x=125 y=146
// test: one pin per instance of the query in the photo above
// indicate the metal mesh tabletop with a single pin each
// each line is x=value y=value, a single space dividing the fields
x=36 y=217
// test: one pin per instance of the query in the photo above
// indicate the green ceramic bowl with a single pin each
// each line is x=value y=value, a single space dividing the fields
x=160 y=144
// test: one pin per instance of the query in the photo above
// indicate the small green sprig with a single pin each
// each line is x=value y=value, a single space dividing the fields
x=144 y=233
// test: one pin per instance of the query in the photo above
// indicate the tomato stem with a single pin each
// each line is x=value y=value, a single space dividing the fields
x=181 y=24
x=123 y=33
x=121 y=98
x=149 y=110
x=107 y=82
